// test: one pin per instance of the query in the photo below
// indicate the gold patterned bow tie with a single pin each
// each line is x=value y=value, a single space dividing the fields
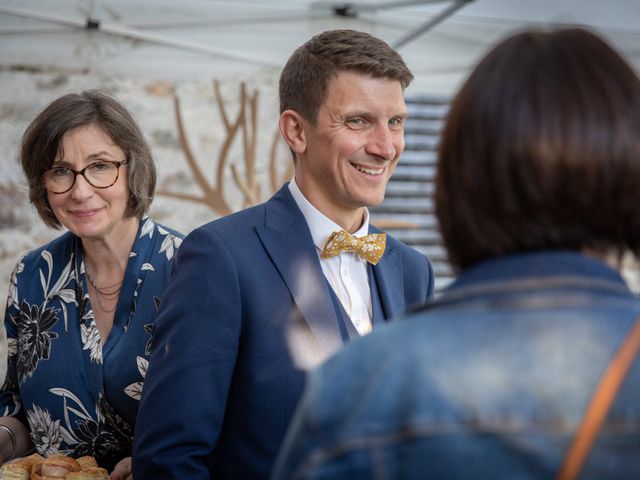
x=368 y=247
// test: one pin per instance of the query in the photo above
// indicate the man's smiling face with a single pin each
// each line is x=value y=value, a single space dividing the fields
x=353 y=147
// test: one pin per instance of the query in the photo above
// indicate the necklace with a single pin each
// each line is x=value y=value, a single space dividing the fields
x=104 y=290
x=104 y=293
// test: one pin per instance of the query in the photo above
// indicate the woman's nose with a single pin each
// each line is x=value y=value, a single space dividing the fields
x=81 y=188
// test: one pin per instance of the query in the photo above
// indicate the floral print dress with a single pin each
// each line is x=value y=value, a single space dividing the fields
x=76 y=396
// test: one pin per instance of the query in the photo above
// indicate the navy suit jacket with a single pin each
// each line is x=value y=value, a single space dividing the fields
x=246 y=313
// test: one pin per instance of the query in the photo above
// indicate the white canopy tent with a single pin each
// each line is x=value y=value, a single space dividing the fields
x=440 y=39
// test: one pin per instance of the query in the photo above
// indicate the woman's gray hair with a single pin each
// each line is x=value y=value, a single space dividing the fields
x=42 y=141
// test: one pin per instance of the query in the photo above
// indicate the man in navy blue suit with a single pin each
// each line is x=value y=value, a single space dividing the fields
x=260 y=296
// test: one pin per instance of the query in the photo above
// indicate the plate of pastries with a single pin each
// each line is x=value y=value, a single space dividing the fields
x=56 y=467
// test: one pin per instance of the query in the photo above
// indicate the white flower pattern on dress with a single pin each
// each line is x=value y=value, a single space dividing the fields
x=12 y=346
x=45 y=432
x=67 y=295
x=13 y=283
x=135 y=389
x=91 y=341
x=147 y=227
x=87 y=435
x=170 y=243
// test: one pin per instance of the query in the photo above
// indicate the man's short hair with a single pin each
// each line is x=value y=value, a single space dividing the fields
x=306 y=76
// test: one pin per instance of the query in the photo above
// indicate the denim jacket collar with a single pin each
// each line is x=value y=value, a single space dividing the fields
x=538 y=270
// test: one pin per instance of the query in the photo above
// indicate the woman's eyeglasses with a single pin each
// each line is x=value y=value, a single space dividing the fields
x=102 y=174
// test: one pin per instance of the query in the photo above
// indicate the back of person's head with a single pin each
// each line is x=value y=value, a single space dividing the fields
x=305 y=78
x=42 y=141
x=541 y=150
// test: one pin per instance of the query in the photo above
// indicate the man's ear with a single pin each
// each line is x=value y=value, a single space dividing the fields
x=292 y=127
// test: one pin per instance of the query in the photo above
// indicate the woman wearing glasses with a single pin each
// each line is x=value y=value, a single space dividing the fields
x=80 y=310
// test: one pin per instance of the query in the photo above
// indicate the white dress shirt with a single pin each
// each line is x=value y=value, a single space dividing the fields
x=347 y=272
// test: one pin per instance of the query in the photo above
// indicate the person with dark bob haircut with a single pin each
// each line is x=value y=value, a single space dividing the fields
x=81 y=308
x=526 y=366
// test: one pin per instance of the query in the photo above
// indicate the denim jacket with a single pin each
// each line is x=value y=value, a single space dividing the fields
x=489 y=381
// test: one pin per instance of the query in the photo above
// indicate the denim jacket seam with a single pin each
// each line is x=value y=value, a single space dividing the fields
x=539 y=286
x=374 y=443
x=535 y=283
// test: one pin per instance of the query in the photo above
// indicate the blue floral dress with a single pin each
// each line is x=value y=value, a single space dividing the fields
x=76 y=396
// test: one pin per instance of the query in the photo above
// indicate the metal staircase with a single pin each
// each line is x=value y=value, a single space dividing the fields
x=407 y=212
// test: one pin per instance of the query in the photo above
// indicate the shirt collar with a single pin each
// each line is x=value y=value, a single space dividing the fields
x=320 y=225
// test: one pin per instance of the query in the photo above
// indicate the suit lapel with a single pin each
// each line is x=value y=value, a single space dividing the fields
x=389 y=279
x=287 y=239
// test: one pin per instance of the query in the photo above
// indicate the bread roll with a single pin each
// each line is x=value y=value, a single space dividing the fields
x=93 y=473
x=31 y=461
x=87 y=462
x=55 y=467
x=13 y=471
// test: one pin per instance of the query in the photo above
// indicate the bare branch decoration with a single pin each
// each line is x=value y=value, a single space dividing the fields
x=212 y=197
x=246 y=119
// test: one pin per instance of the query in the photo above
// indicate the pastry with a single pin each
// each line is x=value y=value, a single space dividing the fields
x=55 y=467
x=92 y=473
x=30 y=461
x=87 y=462
x=13 y=471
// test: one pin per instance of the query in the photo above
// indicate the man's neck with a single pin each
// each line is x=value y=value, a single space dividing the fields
x=349 y=220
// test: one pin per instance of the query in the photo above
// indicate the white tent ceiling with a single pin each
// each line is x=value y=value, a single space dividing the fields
x=205 y=39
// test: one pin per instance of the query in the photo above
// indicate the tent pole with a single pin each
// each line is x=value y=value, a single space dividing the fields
x=429 y=23
x=132 y=33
